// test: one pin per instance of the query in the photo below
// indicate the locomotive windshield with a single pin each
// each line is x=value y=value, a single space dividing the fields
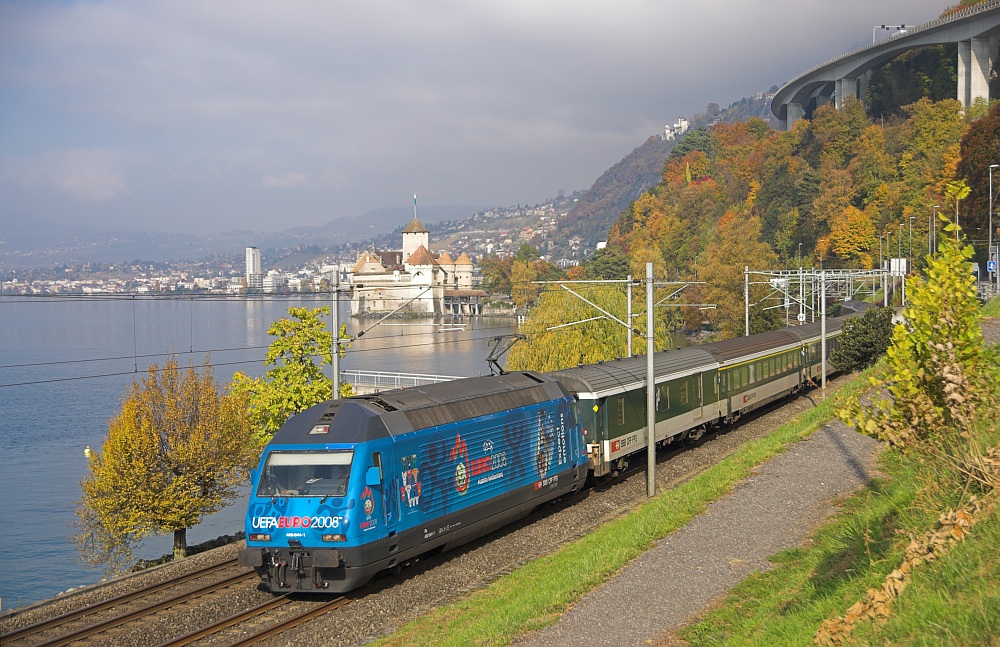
x=291 y=473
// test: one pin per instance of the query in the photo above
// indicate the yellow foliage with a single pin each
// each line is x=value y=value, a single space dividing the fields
x=178 y=450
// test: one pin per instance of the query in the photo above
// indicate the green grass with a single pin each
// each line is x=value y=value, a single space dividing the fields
x=534 y=595
x=992 y=308
x=954 y=600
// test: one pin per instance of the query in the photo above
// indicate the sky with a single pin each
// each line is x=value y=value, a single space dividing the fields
x=204 y=117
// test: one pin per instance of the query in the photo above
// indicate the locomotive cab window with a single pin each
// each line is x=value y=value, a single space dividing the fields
x=296 y=473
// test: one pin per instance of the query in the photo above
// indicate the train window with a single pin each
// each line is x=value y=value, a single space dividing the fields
x=305 y=473
x=621 y=410
x=743 y=375
x=684 y=392
x=663 y=397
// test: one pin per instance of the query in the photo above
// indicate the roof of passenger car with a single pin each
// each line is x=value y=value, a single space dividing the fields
x=606 y=378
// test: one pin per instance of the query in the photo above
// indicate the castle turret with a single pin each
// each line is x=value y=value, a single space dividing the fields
x=415 y=235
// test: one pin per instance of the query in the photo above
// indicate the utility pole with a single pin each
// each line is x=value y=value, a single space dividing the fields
x=628 y=284
x=989 y=248
x=909 y=247
x=746 y=297
x=336 y=334
x=650 y=387
x=822 y=325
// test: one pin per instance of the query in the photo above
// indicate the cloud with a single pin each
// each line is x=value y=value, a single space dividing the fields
x=288 y=180
x=357 y=104
x=84 y=175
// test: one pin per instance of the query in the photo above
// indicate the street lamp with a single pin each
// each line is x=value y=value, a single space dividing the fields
x=989 y=248
x=934 y=218
x=909 y=247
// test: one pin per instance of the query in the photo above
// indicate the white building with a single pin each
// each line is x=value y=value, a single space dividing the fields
x=414 y=280
x=254 y=273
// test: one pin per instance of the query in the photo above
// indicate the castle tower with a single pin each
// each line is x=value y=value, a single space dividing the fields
x=415 y=235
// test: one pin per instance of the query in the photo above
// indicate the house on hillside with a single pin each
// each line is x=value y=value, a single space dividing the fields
x=414 y=280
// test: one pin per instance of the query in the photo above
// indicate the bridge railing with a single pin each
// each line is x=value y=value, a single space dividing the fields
x=374 y=381
x=911 y=31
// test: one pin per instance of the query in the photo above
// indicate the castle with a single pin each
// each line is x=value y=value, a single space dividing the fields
x=413 y=280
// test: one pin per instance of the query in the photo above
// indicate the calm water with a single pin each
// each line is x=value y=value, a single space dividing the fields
x=65 y=364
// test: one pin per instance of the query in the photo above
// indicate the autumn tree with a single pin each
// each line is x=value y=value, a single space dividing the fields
x=301 y=349
x=495 y=273
x=852 y=235
x=563 y=330
x=737 y=244
x=178 y=450
x=979 y=150
x=523 y=290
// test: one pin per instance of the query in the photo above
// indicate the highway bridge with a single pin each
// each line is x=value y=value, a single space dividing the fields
x=974 y=31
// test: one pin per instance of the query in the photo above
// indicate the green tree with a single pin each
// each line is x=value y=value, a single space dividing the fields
x=607 y=264
x=178 y=450
x=863 y=340
x=296 y=381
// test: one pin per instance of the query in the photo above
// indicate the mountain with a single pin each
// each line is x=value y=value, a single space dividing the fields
x=37 y=246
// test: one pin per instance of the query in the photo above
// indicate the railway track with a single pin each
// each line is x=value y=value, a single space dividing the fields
x=95 y=619
x=298 y=613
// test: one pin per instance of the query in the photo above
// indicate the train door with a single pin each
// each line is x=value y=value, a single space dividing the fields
x=380 y=509
x=699 y=395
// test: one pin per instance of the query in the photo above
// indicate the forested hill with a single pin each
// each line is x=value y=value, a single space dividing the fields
x=599 y=207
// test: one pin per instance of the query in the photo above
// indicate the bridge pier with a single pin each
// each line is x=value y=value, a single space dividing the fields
x=794 y=113
x=846 y=88
x=976 y=57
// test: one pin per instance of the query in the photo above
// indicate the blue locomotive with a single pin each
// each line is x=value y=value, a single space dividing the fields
x=349 y=488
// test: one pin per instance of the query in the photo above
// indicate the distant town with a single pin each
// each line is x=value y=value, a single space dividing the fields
x=308 y=268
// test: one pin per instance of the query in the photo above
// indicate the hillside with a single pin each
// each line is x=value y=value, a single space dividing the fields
x=598 y=207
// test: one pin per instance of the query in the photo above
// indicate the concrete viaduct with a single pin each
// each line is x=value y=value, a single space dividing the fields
x=975 y=31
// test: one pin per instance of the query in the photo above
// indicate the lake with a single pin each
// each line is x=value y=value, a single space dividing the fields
x=65 y=363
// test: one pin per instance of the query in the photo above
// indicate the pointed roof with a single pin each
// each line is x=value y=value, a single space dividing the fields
x=415 y=227
x=420 y=256
x=464 y=260
x=444 y=259
x=368 y=263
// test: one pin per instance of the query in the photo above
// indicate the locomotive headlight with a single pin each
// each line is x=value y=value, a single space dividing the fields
x=260 y=536
x=334 y=537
